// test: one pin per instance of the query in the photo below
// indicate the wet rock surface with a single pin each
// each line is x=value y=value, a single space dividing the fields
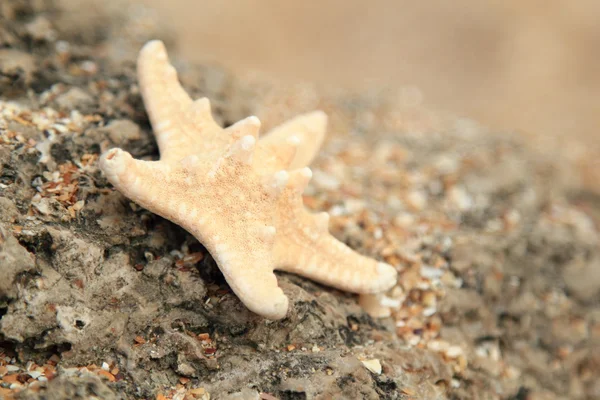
x=497 y=249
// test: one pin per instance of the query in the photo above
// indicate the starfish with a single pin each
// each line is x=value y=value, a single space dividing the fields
x=240 y=196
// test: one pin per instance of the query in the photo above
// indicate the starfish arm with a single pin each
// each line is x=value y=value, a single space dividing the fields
x=304 y=246
x=247 y=126
x=251 y=277
x=309 y=129
x=180 y=124
x=138 y=180
x=326 y=260
x=275 y=158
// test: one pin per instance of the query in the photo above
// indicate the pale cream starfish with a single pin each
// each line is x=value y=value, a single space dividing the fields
x=239 y=196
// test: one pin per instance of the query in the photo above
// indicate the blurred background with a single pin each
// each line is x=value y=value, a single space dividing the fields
x=533 y=66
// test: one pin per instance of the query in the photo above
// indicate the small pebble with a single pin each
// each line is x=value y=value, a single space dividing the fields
x=372 y=365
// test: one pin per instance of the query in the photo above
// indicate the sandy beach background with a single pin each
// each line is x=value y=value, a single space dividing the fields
x=531 y=66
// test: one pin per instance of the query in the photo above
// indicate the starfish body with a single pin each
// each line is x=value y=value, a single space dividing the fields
x=238 y=195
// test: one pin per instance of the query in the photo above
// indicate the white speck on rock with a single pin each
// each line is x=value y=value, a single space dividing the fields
x=372 y=365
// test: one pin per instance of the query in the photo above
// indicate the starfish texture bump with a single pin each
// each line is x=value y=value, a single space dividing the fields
x=238 y=195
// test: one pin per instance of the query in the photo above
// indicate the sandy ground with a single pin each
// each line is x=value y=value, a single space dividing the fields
x=531 y=66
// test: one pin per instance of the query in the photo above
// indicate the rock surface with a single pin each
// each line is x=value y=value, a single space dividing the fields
x=498 y=249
